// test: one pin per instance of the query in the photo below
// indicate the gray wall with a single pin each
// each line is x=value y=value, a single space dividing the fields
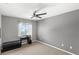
x=61 y=29
x=10 y=28
x=0 y=33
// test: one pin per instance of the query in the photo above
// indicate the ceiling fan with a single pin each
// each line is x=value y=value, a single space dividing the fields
x=37 y=15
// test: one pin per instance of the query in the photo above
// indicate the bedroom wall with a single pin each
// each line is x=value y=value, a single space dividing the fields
x=10 y=28
x=61 y=31
x=0 y=33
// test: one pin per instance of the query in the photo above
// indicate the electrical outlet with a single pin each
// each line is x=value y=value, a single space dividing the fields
x=70 y=47
x=62 y=44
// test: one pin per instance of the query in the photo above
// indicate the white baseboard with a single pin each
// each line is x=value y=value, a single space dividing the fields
x=56 y=48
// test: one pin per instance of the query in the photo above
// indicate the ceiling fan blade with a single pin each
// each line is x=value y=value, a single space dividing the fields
x=39 y=17
x=42 y=14
x=35 y=11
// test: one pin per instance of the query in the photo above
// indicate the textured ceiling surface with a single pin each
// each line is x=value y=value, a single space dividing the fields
x=25 y=10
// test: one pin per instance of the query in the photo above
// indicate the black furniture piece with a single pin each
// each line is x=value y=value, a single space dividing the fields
x=28 y=38
x=15 y=44
x=10 y=45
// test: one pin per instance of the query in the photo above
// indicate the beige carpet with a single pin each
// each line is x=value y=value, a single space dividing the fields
x=35 y=49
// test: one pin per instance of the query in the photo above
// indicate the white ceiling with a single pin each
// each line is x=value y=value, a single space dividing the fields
x=25 y=10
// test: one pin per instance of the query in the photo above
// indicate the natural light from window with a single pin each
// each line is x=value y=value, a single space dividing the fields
x=25 y=29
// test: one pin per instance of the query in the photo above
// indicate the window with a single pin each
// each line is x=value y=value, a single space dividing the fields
x=25 y=29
